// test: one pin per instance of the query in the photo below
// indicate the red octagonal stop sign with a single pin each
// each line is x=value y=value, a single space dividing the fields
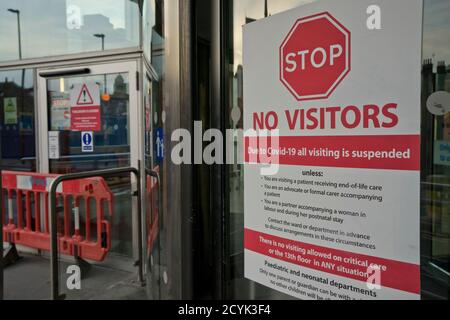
x=315 y=57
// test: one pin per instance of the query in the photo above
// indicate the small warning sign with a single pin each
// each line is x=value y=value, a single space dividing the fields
x=85 y=107
x=10 y=110
x=85 y=95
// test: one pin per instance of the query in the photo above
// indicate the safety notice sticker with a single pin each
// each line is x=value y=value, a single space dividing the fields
x=85 y=107
x=87 y=141
x=60 y=111
x=332 y=150
x=10 y=110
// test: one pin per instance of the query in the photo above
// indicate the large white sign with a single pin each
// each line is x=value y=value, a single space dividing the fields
x=60 y=111
x=332 y=196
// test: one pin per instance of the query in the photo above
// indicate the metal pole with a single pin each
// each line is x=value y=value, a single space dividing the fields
x=19 y=35
x=54 y=272
x=22 y=92
x=19 y=39
x=102 y=37
x=139 y=217
x=54 y=267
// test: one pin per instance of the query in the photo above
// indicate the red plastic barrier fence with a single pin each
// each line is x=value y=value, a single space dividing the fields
x=26 y=214
x=152 y=211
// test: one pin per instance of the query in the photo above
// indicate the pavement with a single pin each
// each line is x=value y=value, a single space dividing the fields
x=29 y=279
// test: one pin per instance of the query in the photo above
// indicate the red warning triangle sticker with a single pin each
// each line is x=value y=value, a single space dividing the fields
x=84 y=98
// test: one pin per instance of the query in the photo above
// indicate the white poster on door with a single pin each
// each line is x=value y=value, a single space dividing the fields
x=60 y=111
x=332 y=196
x=53 y=145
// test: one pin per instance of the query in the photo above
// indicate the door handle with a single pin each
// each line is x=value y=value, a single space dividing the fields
x=65 y=73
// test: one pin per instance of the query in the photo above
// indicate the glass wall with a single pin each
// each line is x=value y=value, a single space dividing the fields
x=153 y=26
x=31 y=29
x=435 y=205
x=240 y=13
x=47 y=28
x=154 y=38
x=17 y=129
x=435 y=174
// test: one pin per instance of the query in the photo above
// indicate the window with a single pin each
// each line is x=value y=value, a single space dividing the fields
x=32 y=29
x=435 y=174
x=435 y=171
x=17 y=129
x=241 y=13
x=153 y=26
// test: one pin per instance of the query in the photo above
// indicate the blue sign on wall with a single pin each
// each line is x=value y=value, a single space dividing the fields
x=159 y=145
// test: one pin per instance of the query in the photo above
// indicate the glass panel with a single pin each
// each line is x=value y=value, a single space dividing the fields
x=242 y=12
x=98 y=139
x=153 y=28
x=153 y=217
x=17 y=129
x=435 y=213
x=154 y=42
x=435 y=175
x=54 y=27
x=104 y=275
x=111 y=143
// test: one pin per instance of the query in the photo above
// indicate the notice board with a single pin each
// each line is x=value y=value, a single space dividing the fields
x=332 y=150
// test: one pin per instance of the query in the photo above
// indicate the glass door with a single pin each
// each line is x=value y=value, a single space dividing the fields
x=101 y=100
x=90 y=119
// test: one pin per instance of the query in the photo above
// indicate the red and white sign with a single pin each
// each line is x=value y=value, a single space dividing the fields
x=331 y=199
x=315 y=56
x=85 y=107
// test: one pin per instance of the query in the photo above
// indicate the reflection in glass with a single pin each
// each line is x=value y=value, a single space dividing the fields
x=435 y=173
x=153 y=46
x=111 y=143
x=17 y=121
x=53 y=27
x=153 y=36
x=243 y=12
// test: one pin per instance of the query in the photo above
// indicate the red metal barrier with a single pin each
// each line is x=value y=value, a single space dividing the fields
x=29 y=193
x=152 y=211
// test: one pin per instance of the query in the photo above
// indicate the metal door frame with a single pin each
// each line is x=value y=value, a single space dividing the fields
x=130 y=67
x=136 y=120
